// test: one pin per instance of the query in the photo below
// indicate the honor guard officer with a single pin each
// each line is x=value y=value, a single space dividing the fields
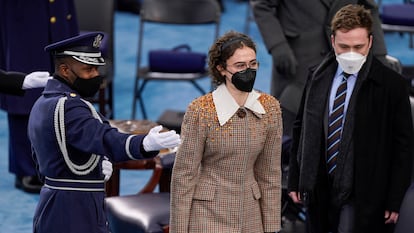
x=70 y=139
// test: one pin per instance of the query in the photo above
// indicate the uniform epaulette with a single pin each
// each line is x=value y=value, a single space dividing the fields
x=72 y=95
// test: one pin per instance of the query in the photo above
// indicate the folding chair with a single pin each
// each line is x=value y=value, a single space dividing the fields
x=166 y=13
x=399 y=17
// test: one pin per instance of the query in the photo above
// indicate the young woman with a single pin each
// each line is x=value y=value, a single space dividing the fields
x=226 y=176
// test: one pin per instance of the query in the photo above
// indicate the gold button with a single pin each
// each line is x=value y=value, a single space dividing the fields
x=53 y=19
x=68 y=17
x=51 y=1
x=73 y=94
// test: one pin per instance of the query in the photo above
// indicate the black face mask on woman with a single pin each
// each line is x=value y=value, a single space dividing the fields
x=87 y=87
x=244 y=80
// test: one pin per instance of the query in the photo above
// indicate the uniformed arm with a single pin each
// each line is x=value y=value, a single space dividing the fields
x=11 y=82
x=88 y=135
x=15 y=83
x=268 y=171
x=185 y=170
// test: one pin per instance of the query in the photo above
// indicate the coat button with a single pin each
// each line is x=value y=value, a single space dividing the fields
x=241 y=113
x=51 y=1
x=53 y=19
x=69 y=16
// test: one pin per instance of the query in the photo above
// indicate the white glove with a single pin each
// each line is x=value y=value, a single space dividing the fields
x=157 y=141
x=36 y=79
x=107 y=169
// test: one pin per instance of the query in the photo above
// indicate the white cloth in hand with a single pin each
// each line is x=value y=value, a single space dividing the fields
x=107 y=169
x=156 y=141
x=36 y=79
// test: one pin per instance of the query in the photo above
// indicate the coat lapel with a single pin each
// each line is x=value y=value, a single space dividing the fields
x=313 y=116
x=343 y=182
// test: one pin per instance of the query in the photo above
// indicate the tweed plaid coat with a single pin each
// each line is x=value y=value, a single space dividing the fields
x=228 y=178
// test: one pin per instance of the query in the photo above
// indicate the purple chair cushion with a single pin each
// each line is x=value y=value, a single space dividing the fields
x=398 y=14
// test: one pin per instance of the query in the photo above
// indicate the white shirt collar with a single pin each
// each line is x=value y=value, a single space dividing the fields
x=226 y=106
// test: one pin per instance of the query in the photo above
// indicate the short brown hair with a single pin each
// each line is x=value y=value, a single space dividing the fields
x=222 y=49
x=350 y=17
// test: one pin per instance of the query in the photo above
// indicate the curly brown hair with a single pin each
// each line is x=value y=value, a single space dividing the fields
x=222 y=49
x=350 y=17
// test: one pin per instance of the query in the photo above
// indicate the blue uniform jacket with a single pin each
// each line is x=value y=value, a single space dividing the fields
x=26 y=27
x=68 y=210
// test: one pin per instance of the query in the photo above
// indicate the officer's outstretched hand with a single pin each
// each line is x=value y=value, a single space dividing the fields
x=156 y=140
x=284 y=59
x=107 y=169
x=36 y=79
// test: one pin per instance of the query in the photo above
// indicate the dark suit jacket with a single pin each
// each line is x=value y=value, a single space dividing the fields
x=378 y=136
x=11 y=82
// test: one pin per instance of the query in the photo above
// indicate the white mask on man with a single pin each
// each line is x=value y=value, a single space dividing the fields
x=351 y=62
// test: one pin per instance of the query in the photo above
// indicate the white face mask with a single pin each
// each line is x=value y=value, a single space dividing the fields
x=351 y=62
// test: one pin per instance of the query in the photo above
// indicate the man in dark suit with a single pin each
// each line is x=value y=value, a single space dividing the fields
x=296 y=33
x=26 y=27
x=353 y=139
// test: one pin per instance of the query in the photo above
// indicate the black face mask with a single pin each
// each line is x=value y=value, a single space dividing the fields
x=87 y=87
x=244 y=80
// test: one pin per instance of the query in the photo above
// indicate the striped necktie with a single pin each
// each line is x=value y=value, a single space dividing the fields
x=335 y=121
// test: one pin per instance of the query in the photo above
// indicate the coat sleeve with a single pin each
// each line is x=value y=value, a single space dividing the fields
x=293 y=177
x=265 y=14
x=268 y=171
x=185 y=170
x=11 y=83
x=403 y=148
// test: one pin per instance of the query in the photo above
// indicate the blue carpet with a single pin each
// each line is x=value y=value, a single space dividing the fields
x=16 y=207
